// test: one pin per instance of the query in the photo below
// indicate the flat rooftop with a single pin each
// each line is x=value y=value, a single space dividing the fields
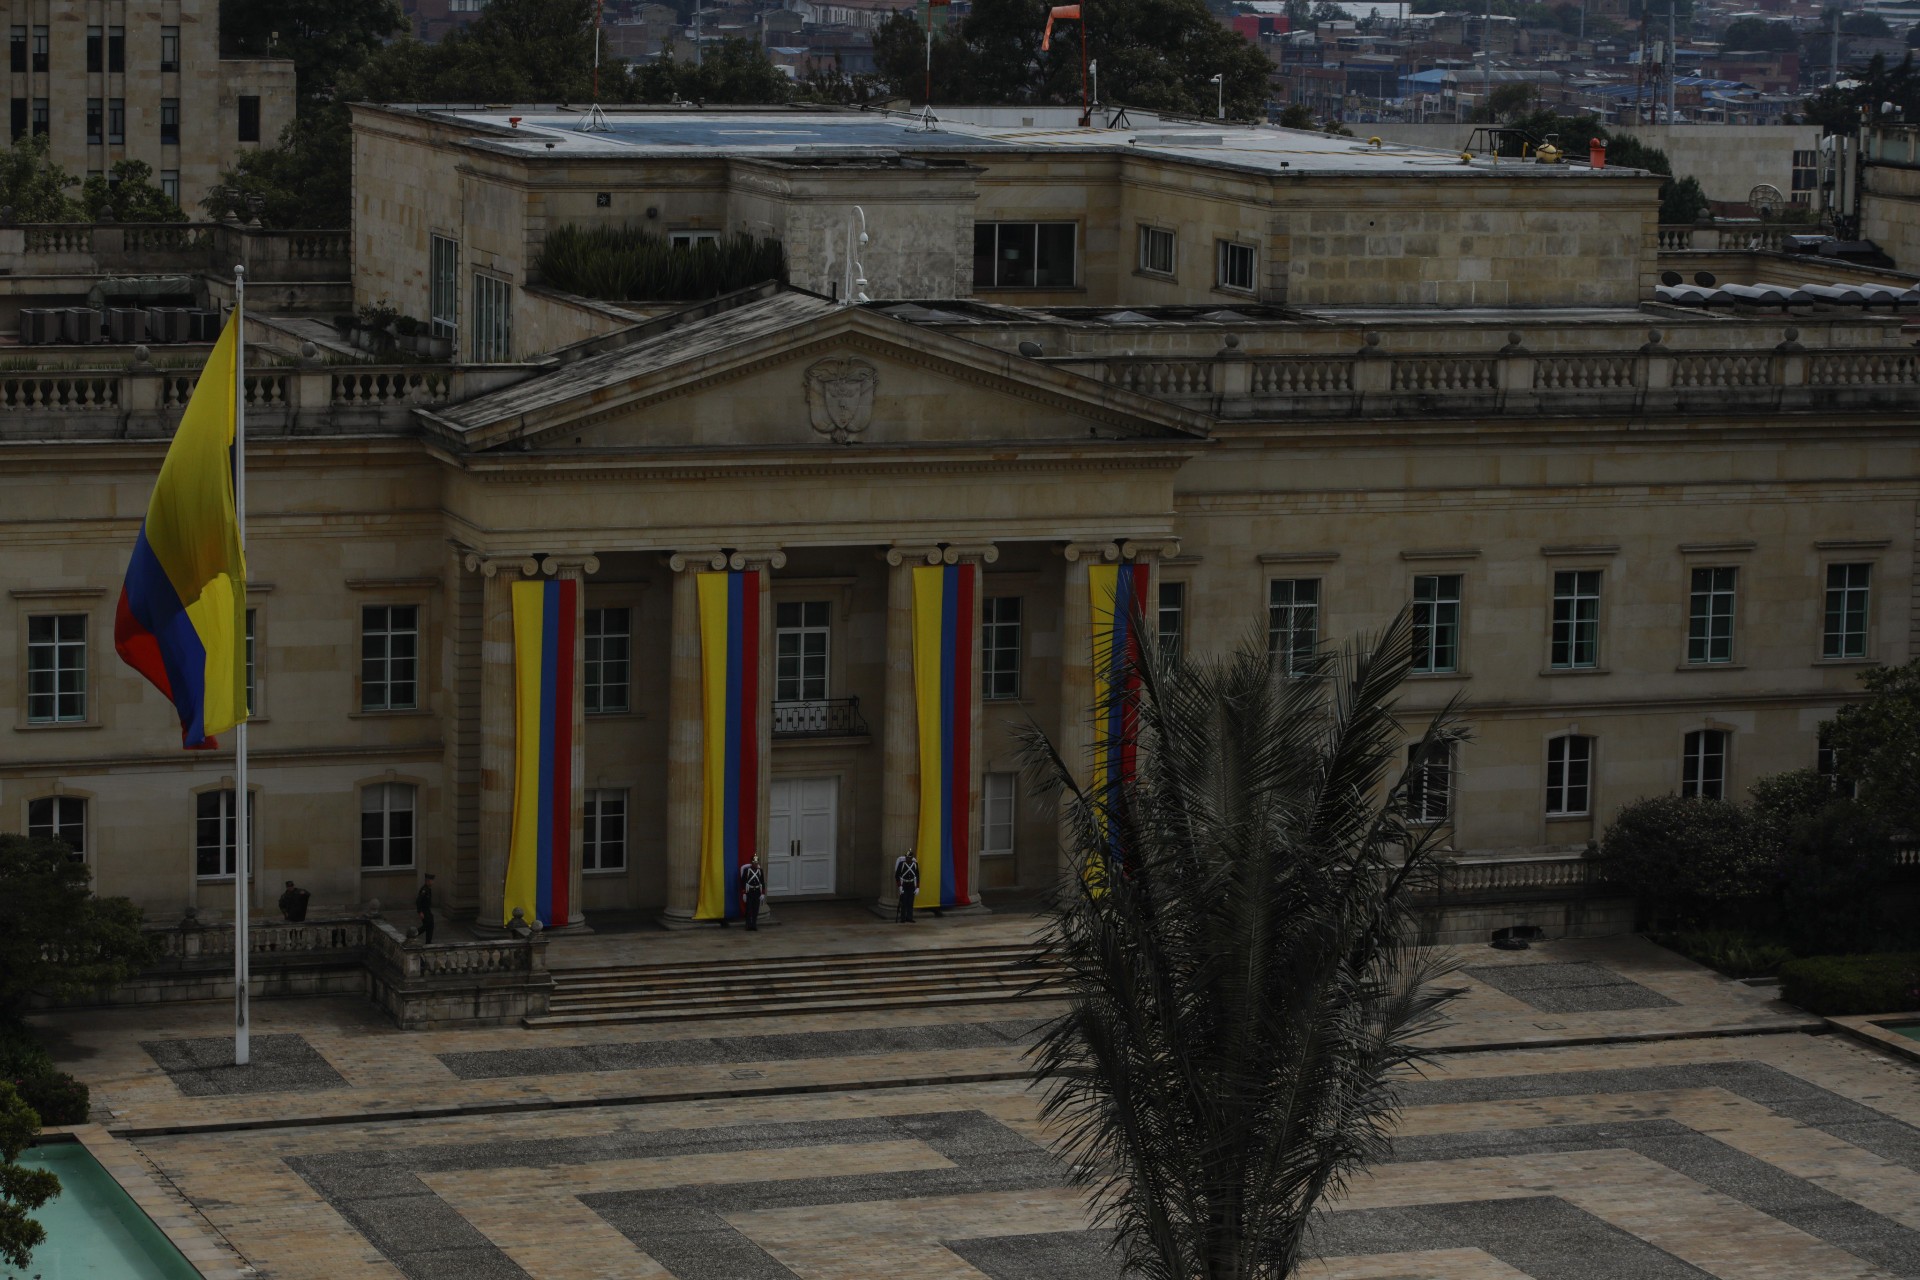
x=801 y=135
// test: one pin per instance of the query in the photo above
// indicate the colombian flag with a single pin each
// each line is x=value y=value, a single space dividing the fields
x=730 y=705
x=540 y=851
x=944 y=630
x=181 y=621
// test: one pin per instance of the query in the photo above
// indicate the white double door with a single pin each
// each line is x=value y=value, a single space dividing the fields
x=802 y=822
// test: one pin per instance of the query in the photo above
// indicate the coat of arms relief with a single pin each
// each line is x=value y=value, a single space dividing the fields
x=840 y=397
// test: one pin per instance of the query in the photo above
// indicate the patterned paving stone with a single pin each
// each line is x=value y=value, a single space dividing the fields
x=1047 y=1255
x=203 y=1067
x=1569 y=988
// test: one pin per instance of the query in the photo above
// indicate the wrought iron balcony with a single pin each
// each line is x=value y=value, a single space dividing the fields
x=819 y=718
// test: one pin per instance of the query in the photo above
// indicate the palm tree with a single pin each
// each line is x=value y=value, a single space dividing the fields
x=1238 y=948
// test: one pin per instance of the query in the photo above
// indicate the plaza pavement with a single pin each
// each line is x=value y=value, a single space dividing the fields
x=1598 y=1110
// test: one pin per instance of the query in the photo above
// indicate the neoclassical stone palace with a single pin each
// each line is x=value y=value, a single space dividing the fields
x=1652 y=548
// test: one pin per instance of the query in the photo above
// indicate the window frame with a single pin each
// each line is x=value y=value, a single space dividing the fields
x=1561 y=746
x=388 y=789
x=997 y=257
x=1828 y=637
x=57 y=644
x=226 y=848
x=691 y=238
x=1425 y=659
x=96 y=122
x=42 y=50
x=594 y=660
x=802 y=631
x=116 y=122
x=1173 y=640
x=1284 y=638
x=169 y=62
x=1694 y=758
x=443 y=285
x=116 y=51
x=990 y=781
x=998 y=683
x=1700 y=626
x=1565 y=632
x=492 y=319
x=96 y=50
x=169 y=122
x=247 y=112
x=1224 y=251
x=55 y=823
x=17 y=50
x=387 y=703
x=1149 y=240
x=592 y=829
x=1420 y=788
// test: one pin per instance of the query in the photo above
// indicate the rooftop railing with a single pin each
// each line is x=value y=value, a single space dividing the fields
x=94 y=248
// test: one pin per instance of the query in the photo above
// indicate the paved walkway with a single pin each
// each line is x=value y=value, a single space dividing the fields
x=1597 y=1111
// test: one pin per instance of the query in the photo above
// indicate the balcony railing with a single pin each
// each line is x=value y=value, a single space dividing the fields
x=819 y=718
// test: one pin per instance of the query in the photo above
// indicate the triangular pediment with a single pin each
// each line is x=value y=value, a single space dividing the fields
x=787 y=374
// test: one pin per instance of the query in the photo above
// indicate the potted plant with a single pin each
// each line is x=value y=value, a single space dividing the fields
x=408 y=331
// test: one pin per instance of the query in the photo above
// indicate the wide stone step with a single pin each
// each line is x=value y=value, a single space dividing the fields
x=760 y=1007
x=753 y=993
x=744 y=977
x=839 y=962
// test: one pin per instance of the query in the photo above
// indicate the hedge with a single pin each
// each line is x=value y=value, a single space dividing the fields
x=1839 y=985
x=53 y=1094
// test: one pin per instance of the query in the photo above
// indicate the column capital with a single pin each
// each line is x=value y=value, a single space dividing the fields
x=1150 y=548
x=698 y=559
x=571 y=565
x=488 y=565
x=970 y=553
x=757 y=558
x=922 y=552
x=1077 y=551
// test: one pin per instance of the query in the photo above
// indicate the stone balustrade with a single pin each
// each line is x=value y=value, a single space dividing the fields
x=1727 y=236
x=164 y=248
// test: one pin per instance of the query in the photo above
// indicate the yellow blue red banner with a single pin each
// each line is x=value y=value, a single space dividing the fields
x=1119 y=603
x=943 y=680
x=730 y=714
x=540 y=852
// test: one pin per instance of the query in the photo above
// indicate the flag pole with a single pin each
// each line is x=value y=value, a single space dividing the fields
x=243 y=834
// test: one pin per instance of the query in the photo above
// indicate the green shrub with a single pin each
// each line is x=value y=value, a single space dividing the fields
x=1688 y=861
x=1737 y=953
x=631 y=264
x=1836 y=869
x=26 y=1065
x=1840 y=985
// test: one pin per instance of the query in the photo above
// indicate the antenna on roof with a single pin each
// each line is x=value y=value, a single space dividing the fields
x=595 y=121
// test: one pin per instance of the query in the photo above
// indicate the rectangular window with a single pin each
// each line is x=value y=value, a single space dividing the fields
x=56 y=668
x=116 y=121
x=1846 y=626
x=17 y=50
x=1156 y=250
x=170 y=122
x=96 y=121
x=1024 y=255
x=1576 y=619
x=249 y=117
x=116 y=49
x=169 y=48
x=997 y=791
x=1436 y=622
x=492 y=320
x=445 y=302
x=1000 y=647
x=609 y=660
x=62 y=818
x=215 y=837
x=386 y=826
x=1172 y=619
x=42 y=118
x=603 y=831
x=1293 y=622
x=1429 y=784
x=19 y=121
x=1569 y=769
x=170 y=184
x=800 y=633
x=389 y=657
x=1236 y=266
x=40 y=45
x=1710 y=616
x=96 y=49
x=688 y=239
x=1703 y=765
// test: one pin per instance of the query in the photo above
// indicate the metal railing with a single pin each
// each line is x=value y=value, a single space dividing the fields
x=819 y=718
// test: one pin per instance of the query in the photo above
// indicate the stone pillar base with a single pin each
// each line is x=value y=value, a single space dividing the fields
x=888 y=908
x=678 y=920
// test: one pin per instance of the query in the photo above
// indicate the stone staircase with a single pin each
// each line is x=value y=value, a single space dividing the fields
x=766 y=986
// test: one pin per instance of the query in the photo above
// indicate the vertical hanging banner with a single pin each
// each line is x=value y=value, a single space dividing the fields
x=730 y=715
x=539 y=857
x=1119 y=601
x=943 y=678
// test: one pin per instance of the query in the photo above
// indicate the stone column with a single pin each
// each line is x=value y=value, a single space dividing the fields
x=575 y=568
x=686 y=740
x=979 y=556
x=900 y=750
x=498 y=574
x=1074 y=738
x=686 y=733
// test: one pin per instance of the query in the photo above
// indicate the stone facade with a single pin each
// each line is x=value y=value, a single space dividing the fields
x=213 y=108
